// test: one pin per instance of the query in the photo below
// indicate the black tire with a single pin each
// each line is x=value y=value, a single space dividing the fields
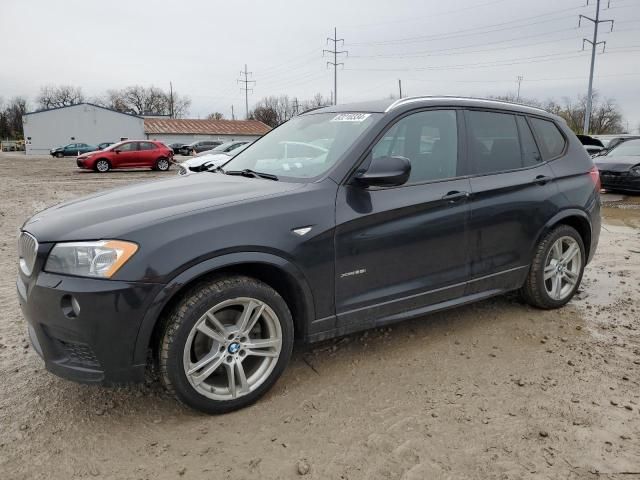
x=182 y=319
x=534 y=291
x=59 y=155
x=162 y=164
x=98 y=166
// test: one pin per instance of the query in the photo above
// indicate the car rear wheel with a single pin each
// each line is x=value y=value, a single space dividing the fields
x=162 y=164
x=557 y=268
x=103 y=166
x=225 y=344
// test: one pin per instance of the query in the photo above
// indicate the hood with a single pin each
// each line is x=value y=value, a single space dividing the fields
x=117 y=213
x=616 y=164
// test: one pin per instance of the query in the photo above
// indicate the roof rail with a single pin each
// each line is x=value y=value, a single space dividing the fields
x=312 y=109
x=406 y=100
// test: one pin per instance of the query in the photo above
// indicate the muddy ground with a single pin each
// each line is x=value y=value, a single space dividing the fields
x=492 y=390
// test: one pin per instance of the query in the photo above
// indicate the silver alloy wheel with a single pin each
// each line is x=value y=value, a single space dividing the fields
x=102 y=166
x=233 y=348
x=562 y=268
x=163 y=164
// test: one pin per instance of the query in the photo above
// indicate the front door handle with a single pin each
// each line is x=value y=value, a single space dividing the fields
x=455 y=196
x=543 y=179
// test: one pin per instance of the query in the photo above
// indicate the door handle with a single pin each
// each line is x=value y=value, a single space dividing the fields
x=543 y=179
x=455 y=196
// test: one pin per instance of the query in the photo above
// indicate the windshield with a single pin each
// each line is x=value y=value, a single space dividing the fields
x=305 y=147
x=629 y=148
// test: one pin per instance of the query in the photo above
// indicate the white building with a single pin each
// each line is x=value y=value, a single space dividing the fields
x=82 y=123
x=186 y=131
x=92 y=124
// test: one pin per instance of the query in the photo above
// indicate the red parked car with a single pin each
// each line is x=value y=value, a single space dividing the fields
x=129 y=154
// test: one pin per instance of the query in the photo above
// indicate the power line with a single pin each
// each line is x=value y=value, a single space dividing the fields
x=594 y=44
x=335 y=63
x=246 y=88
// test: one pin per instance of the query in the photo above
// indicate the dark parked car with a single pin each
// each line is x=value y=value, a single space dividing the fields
x=176 y=147
x=593 y=146
x=620 y=167
x=393 y=210
x=128 y=154
x=197 y=147
x=72 y=150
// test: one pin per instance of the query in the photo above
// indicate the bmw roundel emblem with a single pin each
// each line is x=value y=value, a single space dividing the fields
x=234 y=347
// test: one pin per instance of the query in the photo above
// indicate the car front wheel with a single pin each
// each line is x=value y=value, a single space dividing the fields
x=59 y=155
x=557 y=268
x=225 y=344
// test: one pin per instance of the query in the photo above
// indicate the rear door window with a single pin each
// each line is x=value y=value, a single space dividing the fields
x=494 y=142
x=551 y=140
x=146 y=146
x=530 y=153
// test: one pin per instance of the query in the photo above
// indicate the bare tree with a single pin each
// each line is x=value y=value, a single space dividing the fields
x=52 y=96
x=11 y=118
x=215 y=116
x=605 y=114
x=140 y=100
x=275 y=110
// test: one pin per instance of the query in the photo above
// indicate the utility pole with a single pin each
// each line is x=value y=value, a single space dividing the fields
x=594 y=44
x=233 y=117
x=171 y=100
x=335 y=63
x=296 y=106
x=519 y=79
x=400 y=87
x=246 y=88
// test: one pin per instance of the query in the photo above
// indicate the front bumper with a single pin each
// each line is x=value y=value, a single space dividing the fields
x=98 y=344
x=619 y=181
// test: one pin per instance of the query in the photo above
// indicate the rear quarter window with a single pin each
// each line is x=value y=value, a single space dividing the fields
x=551 y=140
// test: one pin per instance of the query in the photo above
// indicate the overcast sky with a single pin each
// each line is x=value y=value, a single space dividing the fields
x=460 y=47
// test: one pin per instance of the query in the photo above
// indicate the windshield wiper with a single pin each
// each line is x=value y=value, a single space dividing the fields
x=213 y=169
x=247 y=172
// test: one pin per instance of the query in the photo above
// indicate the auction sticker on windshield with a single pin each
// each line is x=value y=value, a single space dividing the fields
x=351 y=117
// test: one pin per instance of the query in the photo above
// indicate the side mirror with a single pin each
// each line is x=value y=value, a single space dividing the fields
x=385 y=172
x=117 y=151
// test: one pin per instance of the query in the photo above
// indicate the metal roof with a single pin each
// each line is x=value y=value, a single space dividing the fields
x=204 y=127
x=79 y=105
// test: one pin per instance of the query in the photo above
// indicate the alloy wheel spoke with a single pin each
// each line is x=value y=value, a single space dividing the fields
x=570 y=253
x=250 y=315
x=218 y=336
x=231 y=379
x=571 y=277
x=557 y=250
x=203 y=362
x=557 y=286
x=198 y=379
x=549 y=271
x=262 y=347
x=242 y=378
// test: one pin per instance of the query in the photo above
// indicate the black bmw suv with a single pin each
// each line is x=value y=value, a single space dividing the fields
x=342 y=219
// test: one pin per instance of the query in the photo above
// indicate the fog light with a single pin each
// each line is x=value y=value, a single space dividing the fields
x=70 y=306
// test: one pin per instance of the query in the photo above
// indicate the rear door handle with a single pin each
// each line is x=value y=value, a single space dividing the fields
x=543 y=179
x=455 y=196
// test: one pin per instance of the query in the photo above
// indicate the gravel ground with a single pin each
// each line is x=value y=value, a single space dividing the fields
x=491 y=390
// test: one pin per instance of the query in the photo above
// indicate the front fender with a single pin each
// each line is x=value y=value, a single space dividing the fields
x=176 y=284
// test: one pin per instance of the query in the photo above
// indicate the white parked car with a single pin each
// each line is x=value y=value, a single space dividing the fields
x=208 y=161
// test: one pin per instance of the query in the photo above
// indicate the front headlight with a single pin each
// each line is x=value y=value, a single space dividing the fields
x=101 y=259
x=635 y=170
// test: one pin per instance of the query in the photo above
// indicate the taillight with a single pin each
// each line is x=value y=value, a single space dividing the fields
x=594 y=173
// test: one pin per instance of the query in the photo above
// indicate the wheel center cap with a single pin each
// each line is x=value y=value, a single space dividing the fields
x=234 y=347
